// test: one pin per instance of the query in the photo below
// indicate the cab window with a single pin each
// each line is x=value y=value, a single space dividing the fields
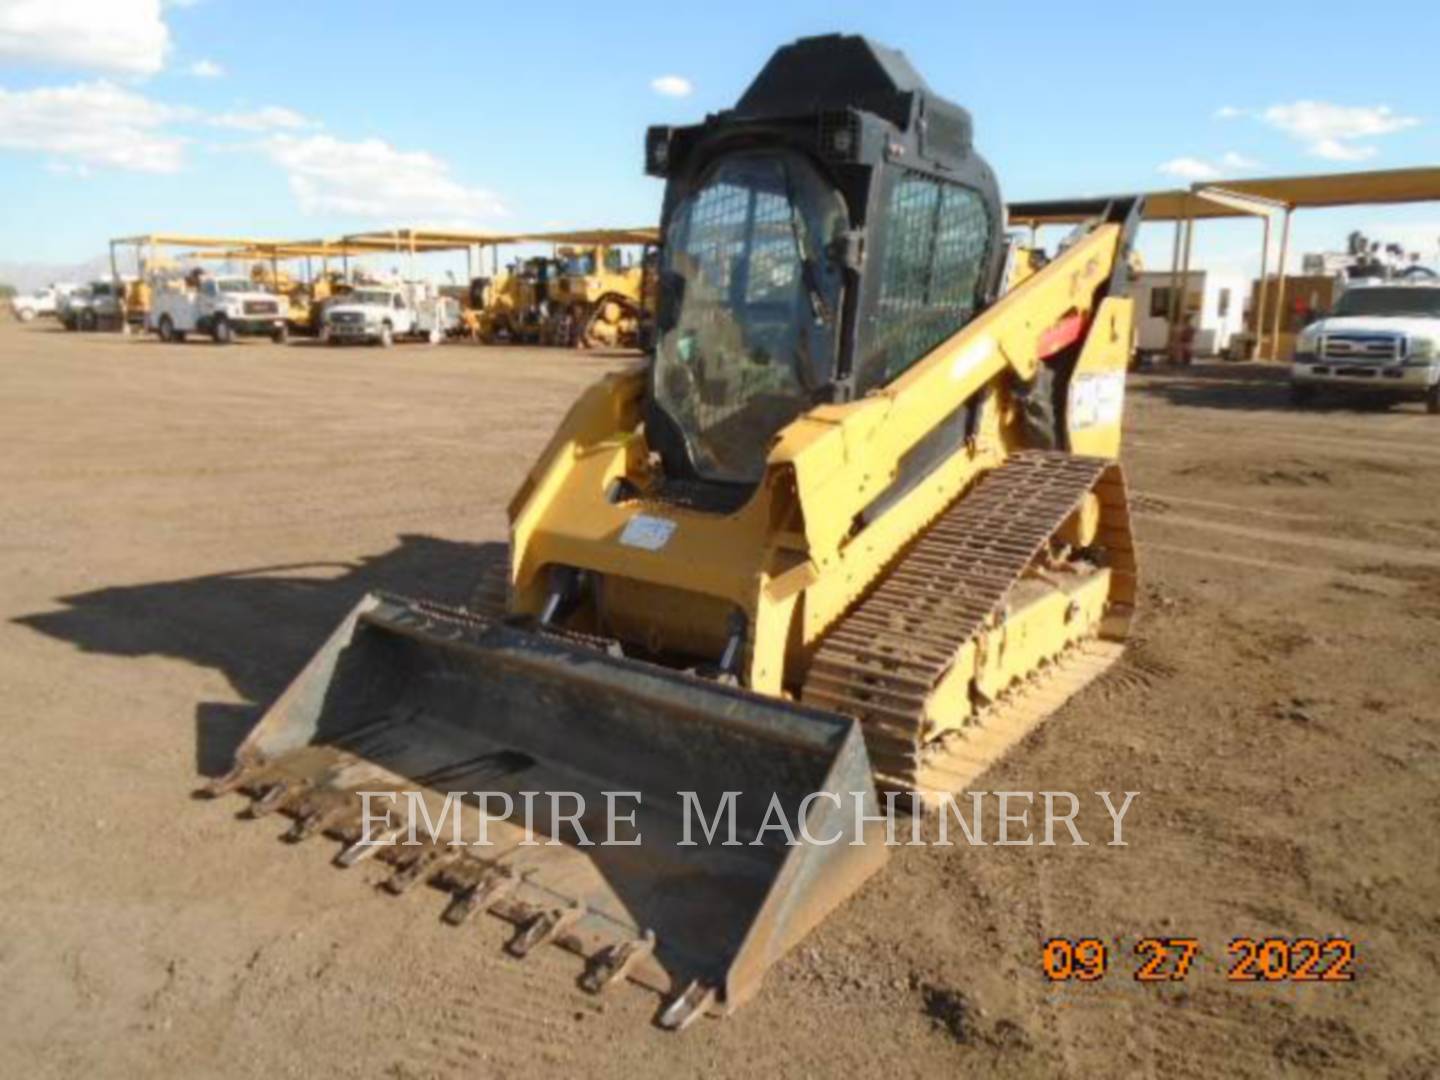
x=931 y=274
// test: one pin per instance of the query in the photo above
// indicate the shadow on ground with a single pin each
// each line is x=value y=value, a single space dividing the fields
x=256 y=626
x=1250 y=387
x=1217 y=385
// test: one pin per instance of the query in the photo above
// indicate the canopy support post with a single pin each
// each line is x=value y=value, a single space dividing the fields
x=1280 y=284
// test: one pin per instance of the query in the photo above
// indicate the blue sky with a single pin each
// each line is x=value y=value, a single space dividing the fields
x=295 y=120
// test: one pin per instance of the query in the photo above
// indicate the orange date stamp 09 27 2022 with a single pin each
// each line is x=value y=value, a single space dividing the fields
x=1171 y=959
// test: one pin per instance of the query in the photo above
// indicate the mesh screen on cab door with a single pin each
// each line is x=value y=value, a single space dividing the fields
x=930 y=275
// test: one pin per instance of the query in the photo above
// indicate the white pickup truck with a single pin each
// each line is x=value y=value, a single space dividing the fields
x=46 y=301
x=223 y=307
x=378 y=314
x=1382 y=341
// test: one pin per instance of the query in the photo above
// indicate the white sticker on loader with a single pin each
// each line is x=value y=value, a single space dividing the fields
x=1096 y=400
x=649 y=533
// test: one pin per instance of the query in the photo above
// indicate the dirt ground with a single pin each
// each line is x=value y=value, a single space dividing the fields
x=183 y=524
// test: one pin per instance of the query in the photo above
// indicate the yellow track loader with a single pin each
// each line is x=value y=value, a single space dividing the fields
x=857 y=522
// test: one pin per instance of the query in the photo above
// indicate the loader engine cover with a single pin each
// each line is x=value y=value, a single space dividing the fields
x=818 y=239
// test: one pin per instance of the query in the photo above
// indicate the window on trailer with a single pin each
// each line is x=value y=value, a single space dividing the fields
x=1160 y=302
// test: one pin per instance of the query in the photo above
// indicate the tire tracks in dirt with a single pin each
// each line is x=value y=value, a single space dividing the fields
x=1361 y=550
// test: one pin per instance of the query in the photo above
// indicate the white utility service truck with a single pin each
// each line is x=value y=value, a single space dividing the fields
x=379 y=314
x=222 y=307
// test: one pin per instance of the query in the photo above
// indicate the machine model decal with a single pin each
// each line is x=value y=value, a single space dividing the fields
x=1097 y=399
x=649 y=533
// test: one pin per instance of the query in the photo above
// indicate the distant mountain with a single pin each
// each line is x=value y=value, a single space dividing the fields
x=34 y=275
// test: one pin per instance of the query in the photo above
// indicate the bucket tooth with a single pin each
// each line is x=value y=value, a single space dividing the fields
x=615 y=962
x=544 y=927
x=496 y=883
x=367 y=847
x=236 y=778
x=275 y=796
x=330 y=810
x=308 y=803
x=317 y=820
x=417 y=869
x=687 y=1007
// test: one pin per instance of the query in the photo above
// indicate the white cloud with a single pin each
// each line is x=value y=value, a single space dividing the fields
x=1335 y=150
x=1189 y=168
x=1322 y=120
x=373 y=179
x=95 y=123
x=672 y=86
x=1228 y=112
x=126 y=37
x=206 y=69
x=1194 y=168
x=65 y=168
x=1328 y=130
x=269 y=118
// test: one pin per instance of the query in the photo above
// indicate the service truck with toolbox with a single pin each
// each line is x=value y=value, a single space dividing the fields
x=222 y=307
x=379 y=314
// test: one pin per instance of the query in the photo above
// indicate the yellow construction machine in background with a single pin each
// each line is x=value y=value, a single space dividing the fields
x=513 y=304
x=598 y=297
x=595 y=290
x=857 y=521
x=305 y=299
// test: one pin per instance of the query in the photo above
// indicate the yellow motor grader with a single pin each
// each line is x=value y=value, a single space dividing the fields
x=856 y=523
